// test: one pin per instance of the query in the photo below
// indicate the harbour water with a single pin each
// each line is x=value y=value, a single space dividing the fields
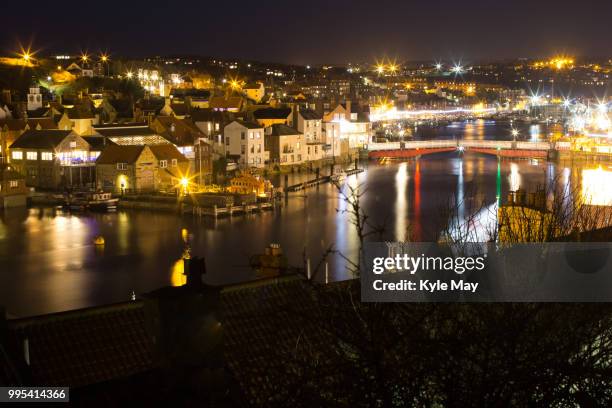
x=49 y=263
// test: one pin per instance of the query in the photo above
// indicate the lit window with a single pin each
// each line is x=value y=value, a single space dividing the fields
x=13 y=184
x=163 y=164
x=73 y=144
x=32 y=155
x=46 y=156
x=174 y=163
x=17 y=155
x=121 y=166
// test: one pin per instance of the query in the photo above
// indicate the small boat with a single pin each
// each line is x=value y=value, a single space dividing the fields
x=99 y=201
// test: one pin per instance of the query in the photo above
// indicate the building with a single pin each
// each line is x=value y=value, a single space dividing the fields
x=125 y=169
x=131 y=134
x=11 y=129
x=13 y=190
x=334 y=146
x=245 y=142
x=355 y=125
x=34 y=98
x=211 y=123
x=254 y=91
x=250 y=184
x=308 y=122
x=285 y=144
x=53 y=159
x=229 y=104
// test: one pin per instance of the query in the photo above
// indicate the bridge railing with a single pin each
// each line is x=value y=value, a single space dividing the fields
x=443 y=144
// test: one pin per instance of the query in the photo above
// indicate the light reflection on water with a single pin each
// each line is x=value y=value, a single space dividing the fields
x=48 y=261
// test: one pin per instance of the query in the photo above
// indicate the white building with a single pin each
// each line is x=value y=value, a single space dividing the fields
x=309 y=123
x=34 y=98
x=332 y=140
x=285 y=144
x=244 y=141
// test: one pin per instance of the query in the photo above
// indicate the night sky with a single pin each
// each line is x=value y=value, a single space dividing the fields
x=316 y=31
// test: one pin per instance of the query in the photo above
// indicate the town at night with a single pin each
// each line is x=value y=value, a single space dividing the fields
x=306 y=205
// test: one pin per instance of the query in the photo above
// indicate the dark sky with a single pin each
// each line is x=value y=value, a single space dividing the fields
x=316 y=31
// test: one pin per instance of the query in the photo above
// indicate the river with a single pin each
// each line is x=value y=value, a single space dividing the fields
x=48 y=261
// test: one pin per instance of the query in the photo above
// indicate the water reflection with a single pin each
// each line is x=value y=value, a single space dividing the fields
x=401 y=202
x=514 y=179
x=48 y=261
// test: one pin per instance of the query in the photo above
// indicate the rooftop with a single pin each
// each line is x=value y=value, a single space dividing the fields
x=40 y=139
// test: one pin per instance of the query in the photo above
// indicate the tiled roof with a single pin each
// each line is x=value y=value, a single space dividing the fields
x=86 y=346
x=20 y=124
x=79 y=112
x=209 y=115
x=118 y=131
x=248 y=124
x=279 y=129
x=265 y=326
x=97 y=143
x=309 y=114
x=119 y=154
x=180 y=131
x=40 y=139
x=220 y=102
x=167 y=152
x=272 y=113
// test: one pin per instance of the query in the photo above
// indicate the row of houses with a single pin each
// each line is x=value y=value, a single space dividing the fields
x=294 y=135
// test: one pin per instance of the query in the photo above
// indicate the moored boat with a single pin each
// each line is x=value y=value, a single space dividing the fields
x=98 y=201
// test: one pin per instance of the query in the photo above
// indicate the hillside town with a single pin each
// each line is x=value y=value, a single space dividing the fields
x=162 y=125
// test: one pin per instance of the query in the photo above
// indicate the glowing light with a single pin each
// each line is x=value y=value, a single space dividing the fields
x=129 y=74
x=457 y=69
x=84 y=57
x=104 y=58
x=515 y=133
x=602 y=107
x=380 y=68
x=597 y=186
x=438 y=66
x=535 y=99
x=184 y=183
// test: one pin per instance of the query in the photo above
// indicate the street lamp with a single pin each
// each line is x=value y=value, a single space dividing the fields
x=515 y=133
x=104 y=58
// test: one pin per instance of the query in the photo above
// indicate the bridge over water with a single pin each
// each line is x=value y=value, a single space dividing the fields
x=500 y=148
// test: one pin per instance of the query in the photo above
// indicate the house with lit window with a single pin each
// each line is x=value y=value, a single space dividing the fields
x=354 y=123
x=11 y=129
x=54 y=159
x=245 y=143
x=130 y=168
x=254 y=91
x=211 y=123
x=13 y=190
x=285 y=144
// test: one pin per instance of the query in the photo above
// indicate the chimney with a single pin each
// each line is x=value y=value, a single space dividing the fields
x=194 y=269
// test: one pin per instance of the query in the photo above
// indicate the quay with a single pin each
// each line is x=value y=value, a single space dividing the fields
x=317 y=181
x=216 y=211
